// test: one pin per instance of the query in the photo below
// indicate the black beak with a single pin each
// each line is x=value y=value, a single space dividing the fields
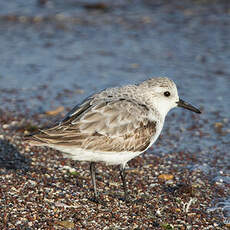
x=186 y=105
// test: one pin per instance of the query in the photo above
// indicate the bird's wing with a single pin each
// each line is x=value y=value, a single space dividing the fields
x=77 y=111
x=118 y=125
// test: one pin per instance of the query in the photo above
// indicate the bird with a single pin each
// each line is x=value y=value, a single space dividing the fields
x=114 y=126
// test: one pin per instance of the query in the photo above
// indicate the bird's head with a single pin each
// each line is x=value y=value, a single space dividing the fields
x=164 y=95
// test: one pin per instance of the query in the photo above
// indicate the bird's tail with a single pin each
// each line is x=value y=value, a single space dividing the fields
x=34 y=140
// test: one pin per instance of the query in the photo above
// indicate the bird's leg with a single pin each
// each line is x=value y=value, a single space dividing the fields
x=92 y=172
x=123 y=174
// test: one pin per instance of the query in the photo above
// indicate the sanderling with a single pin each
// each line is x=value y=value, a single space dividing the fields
x=115 y=125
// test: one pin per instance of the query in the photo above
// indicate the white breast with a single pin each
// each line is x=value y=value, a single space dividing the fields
x=111 y=158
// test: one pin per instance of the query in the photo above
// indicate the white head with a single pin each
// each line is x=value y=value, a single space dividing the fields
x=164 y=96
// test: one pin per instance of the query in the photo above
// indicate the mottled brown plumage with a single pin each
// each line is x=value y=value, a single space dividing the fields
x=106 y=127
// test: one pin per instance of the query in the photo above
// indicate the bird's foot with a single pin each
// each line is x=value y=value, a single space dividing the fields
x=96 y=200
x=126 y=199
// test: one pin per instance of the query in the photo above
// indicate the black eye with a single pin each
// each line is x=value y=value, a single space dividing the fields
x=167 y=93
